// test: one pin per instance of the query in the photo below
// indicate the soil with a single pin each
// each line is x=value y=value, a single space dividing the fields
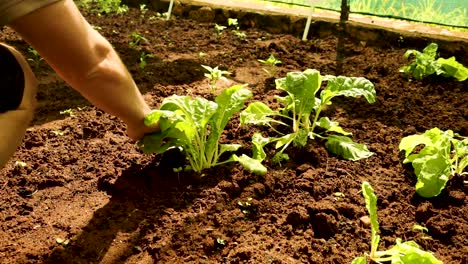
x=87 y=186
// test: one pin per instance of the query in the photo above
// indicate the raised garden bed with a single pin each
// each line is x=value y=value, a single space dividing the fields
x=88 y=195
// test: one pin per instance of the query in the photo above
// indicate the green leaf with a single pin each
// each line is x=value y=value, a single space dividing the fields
x=462 y=165
x=424 y=63
x=420 y=228
x=453 y=68
x=259 y=142
x=230 y=101
x=279 y=157
x=300 y=138
x=330 y=126
x=433 y=174
x=228 y=148
x=257 y=113
x=155 y=143
x=346 y=148
x=409 y=252
x=285 y=140
x=195 y=125
x=409 y=143
x=360 y=260
x=301 y=88
x=252 y=165
x=431 y=50
x=348 y=86
x=433 y=163
x=371 y=204
x=196 y=112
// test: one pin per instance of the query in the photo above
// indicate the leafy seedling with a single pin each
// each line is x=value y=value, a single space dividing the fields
x=240 y=34
x=143 y=57
x=219 y=29
x=246 y=206
x=201 y=56
x=137 y=39
x=233 y=22
x=68 y=112
x=425 y=63
x=270 y=64
x=420 y=228
x=444 y=155
x=214 y=75
x=105 y=6
x=299 y=103
x=407 y=252
x=35 y=58
x=195 y=126
x=143 y=10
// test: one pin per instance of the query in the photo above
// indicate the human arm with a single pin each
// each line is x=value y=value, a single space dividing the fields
x=86 y=61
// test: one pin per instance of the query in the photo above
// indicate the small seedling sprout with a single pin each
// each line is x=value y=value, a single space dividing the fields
x=232 y=22
x=219 y=29
x=201 y=55
x=137 y=38
x=407 y=252
x=143 y=10
x=143 y=57
x=35 y=57
x=214 y=75
x=68 y=112
x=270 y=63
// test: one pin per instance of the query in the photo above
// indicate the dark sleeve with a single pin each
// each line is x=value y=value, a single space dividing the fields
x=11 y=81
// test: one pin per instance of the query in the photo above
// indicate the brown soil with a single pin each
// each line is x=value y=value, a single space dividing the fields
x=85 y=181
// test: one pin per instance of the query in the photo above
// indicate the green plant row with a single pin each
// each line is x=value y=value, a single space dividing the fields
x=195 y=125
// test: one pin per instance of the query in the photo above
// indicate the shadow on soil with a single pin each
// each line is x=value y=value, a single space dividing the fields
x=141 y=196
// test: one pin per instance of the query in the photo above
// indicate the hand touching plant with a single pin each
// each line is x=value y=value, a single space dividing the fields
x=299 y=103
x=195 y=125
x=444 y=155
x=402 y=253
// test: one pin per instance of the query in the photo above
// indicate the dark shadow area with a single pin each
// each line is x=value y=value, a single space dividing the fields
x=140 y=197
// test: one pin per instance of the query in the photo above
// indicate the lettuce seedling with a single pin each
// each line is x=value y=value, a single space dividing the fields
x=195 y=125
x=137 y=38
x=271 y=63
x=233 y=22
x=299 y=103
x=214 y=75
x=35 y=58
x=219 y=29
x=143 y=57
x=407 y=252
x=444 y=155
x=425 y=64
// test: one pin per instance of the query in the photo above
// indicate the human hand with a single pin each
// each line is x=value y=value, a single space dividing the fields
x=139 y=130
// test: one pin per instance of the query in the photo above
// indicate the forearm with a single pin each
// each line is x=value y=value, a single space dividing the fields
x=83 y=58
x=109 y=86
